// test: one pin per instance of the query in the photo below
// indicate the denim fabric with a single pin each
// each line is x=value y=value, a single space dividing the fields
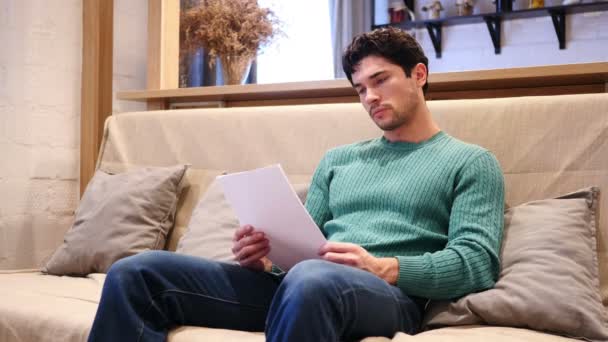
x=146 y=295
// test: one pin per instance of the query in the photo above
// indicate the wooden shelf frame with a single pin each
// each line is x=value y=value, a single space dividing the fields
x=96 y=83
x=542 y=80
x=494 y=19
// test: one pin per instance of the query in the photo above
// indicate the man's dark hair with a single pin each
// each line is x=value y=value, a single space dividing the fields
x=391 y=43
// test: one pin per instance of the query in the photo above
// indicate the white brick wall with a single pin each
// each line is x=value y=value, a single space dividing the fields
x=40 y=73
x=40 y=65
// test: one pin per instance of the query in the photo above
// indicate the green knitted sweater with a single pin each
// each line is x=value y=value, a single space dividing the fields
x=437 y=206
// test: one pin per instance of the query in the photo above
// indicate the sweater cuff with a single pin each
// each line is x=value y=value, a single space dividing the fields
x=414 y=274
x=276 y=270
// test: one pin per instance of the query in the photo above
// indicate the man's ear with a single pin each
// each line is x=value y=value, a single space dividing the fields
x=420 y=74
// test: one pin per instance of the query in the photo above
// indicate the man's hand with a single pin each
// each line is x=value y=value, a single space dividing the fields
x=356 y=256
x=250 y=248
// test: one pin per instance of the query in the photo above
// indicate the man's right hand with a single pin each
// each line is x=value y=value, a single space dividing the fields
x=250 y=248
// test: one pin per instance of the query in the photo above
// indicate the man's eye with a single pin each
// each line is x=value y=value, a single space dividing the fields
x=381 y=80
x=361 y=91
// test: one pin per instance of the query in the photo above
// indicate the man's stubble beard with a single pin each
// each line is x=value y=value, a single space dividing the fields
x=397 y=121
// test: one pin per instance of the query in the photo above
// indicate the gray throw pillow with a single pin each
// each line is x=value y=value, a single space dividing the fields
x=549 y=275
x=118 y=216
x=211 y=227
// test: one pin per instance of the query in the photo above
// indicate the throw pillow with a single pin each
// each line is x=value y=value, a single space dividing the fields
x=192 y=187
x=549 y=277
x=118 y=216
x=211 y=227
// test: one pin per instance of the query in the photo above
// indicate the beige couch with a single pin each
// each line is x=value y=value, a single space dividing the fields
x=546 y=146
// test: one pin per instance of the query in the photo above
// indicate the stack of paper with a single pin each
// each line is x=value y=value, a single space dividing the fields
x=264 y=199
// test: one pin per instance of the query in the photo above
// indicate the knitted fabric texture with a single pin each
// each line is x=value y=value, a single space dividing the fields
x=437 y=206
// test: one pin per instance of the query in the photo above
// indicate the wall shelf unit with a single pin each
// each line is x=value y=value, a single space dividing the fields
x=528 y=81
x=494 y=19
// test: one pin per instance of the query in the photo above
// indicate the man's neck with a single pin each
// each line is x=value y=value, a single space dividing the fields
x=422 y=127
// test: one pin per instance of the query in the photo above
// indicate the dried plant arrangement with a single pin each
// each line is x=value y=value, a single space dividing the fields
x=228 y=28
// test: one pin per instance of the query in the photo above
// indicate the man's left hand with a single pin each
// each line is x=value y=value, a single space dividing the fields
x=354 y=255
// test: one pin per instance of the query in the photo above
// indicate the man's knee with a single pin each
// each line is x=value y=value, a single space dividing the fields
x=313 y=278
x=312 y=268
x=128 y=268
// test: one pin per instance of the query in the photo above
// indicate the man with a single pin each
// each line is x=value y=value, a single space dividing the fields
x=410 y=216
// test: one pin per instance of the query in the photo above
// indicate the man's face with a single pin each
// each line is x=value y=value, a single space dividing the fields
x=390 y=98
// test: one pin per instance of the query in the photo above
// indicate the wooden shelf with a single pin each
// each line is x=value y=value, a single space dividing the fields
x=275 y=91
x=494 y=19
x=542 y=80
x=516 y=14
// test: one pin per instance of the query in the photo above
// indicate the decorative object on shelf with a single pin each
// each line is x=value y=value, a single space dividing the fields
x=434 y=9
x=234 y=31
x=536 y=4
x=235 y=69
x=399 y=12
x=465 y=7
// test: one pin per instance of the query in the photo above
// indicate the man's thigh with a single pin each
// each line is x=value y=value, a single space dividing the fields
x=201 y=292
x=369 y=305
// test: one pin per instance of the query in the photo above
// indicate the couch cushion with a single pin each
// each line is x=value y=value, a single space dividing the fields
x=36 y=307
x=191 y=334
x=548 y=279
x=452 y=334
x=477 y=334
x=193 y=186
x=119 y=215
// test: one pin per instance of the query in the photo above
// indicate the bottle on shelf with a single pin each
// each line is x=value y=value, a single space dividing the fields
x=434 y=9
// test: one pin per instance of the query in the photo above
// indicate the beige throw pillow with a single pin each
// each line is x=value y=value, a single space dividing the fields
x=193 y=187
x=118 y=216
x=211 y=227
x=549 y=277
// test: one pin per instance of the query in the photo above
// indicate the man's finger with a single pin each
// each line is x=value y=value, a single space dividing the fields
x=341 y=258
x=251 y=249
x=247 y=240
x=242 y=231
x=255 y=257
x=338 y=247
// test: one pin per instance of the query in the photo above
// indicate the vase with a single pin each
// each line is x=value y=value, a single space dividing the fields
x=235 y=69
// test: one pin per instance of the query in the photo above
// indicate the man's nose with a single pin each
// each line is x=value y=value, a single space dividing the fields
x=371 y=96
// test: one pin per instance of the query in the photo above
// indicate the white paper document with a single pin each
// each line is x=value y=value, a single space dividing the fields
x=264 y=199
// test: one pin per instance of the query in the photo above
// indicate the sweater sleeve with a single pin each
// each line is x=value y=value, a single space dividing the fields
x=470 y=260
x=317 y=200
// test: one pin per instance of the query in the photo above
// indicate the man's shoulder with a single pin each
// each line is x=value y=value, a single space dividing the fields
x=469 y=148
x=468 y=154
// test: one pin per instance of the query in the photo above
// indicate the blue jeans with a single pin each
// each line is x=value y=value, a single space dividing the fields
x=146 y=295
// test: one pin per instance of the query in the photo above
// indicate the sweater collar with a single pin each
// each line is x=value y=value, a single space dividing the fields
x=404 y=145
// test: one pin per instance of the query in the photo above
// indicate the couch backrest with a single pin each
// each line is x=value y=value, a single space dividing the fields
x=546 y=145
